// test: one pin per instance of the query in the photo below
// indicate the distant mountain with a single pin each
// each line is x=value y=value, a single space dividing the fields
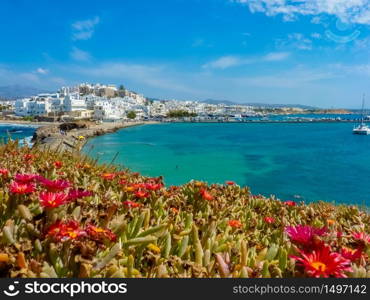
x=19 y=91
x=281 y=105
x=215 y=102
x=228 y=102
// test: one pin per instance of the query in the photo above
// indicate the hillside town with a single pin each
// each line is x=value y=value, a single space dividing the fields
x=109 y=103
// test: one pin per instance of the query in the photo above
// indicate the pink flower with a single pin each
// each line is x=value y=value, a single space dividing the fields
x=52 y=200
x=26 y=178
x=54 y=185
x=21 y=188
x=290 y=203
x=324 y=262
x=304 y=235
x=78 y=194
x=361 y=237
x=351 y=254
x=230 y=182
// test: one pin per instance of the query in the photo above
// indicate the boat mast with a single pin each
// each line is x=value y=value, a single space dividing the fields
x=363 y=107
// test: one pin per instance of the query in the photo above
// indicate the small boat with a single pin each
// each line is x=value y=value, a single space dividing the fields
x=362 y=129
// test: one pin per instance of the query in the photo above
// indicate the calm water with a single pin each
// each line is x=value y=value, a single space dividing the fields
x=23 y=133
x=320 y=161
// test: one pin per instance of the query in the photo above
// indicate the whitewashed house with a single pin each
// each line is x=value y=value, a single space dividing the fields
x=73 y=102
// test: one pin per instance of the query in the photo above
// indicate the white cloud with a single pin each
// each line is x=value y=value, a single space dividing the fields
x=316 y=35
x=10 y=76
x=197 y=43
x=276 y=56
x=296 y=41
x=229 y=61
x=42 y=71
x=150 y=75
x=80 y=55
x=351 y=11
x=225 y=62
x=84 y=30
x=289 y=79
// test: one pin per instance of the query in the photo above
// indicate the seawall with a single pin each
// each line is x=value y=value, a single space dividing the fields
x=72 y=136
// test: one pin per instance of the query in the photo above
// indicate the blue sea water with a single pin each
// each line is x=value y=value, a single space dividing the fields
x=23 y=133
x=308 y=161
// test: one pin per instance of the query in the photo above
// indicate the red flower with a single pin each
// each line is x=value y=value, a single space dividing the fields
x=21 y=188
x=173 y=188
x=108 y=176
x=52 y=200
x=153 y=186
x=235 y=223
x=97 y=233
x=141 y=194
x=132 y=204
x=269 y=220
x=290 y=203
x=304 y=235
x=4 y=172
x=361 y=237
x=206 y=195
x=63 y=231
x=54 y=185
x=174 y=210
x=26 y=178
x=230 y=182
x=351 y=254
x=28 y=157
x=78 y=194
x=324 y=263
x=122 y=181
x=58 y=164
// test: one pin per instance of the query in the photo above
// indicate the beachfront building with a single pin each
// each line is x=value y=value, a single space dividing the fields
x=107 y=102
x=105 y=110
x=39 y=105
x=73 y=102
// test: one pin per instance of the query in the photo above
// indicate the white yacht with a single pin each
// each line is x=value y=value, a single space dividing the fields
x=362 y=129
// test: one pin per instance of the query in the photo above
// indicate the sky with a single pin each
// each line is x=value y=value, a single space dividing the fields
x=314 y=52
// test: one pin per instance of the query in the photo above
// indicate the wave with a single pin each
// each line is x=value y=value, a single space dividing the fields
x=27 y=141
x=19 y=125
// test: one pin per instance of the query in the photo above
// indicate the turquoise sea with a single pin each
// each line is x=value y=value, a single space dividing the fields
x=310 y=162
x=23 y=133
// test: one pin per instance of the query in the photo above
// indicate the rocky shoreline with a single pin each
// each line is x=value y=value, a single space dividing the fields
x=72 y=136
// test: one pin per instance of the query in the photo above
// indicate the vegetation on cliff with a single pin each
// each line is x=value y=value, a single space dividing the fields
x=62 y=215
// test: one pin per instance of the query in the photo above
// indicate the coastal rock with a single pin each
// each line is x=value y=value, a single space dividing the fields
x=73 y=135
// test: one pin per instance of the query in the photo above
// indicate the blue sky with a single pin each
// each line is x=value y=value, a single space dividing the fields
x=314 y=52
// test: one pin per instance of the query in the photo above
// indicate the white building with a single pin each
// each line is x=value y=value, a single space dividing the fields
x=33 y=106
x=73 y=102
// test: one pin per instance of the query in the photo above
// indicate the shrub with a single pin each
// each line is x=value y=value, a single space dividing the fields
x=75 y=218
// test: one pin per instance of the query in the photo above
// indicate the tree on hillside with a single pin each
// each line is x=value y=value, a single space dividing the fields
x=180 y=114
x=131 y=115
x=122 y=87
